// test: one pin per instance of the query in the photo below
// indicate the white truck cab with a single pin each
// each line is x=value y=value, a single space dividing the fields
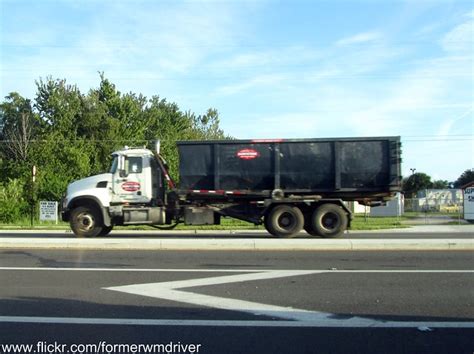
x=131 y=192
x=132 y=171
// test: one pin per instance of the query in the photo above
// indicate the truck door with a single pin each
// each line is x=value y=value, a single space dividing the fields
x=131 y=182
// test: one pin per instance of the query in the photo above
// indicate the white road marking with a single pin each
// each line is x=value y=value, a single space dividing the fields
x=231 y=270
x=289 y=317
x=339 y=323
x=193 y=270
x=168 y=291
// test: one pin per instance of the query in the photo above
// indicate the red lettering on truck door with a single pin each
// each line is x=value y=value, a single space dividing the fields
x=131 y=186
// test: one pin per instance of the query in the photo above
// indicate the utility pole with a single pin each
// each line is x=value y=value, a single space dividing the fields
x=33 y=199
x=413 y=170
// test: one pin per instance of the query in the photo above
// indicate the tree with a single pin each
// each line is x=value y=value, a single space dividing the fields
x=440 y=184
x=465 y=178
x=69 y=135
x=416 y=182
x=64 y=154
x=60 y=107
x=13 y=203
x=17 y=127
x=206 y=126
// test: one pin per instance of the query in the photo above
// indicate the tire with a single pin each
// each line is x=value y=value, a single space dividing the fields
x=106 y=230
x=329 y=221
x=308 y=225
x=86 y=221
x=309 y=229
x=284 y=221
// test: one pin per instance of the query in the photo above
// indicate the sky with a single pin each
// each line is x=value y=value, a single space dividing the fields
x=272 y=68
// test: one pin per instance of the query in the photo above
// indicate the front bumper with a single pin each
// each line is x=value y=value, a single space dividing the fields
x=65 y=213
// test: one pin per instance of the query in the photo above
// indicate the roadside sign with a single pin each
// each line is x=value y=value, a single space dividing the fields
x=48 y=211
x=469 y=204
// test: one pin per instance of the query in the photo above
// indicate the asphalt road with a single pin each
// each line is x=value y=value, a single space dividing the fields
x=417 y=232
x=446 y=237
x=238 y=302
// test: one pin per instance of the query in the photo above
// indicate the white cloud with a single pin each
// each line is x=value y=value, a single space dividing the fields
x=265 y=81
x=460 y=38
x=360 y=38
x=447 y=126
x=279 y=57
x=366 y=92
x=286 y=125
x=299 y=66
x=155 y=41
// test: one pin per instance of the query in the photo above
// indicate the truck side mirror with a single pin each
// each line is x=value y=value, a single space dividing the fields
x=121 y=162
x=157 y=147
x=121 y=166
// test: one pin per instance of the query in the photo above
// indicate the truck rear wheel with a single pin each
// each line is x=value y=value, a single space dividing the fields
x=329 y=221
x=284 y=221
x=309 y=228
x=86 y=221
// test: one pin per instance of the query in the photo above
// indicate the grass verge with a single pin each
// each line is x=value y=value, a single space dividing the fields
x=378 y=223
x=358 y=223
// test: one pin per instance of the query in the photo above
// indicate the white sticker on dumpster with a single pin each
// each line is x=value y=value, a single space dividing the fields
x=48 y=211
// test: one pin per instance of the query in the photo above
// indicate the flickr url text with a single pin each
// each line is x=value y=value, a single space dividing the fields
x=102 y=347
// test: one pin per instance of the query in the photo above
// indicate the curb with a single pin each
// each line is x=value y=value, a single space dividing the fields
x=241 y=244
x=412 y=229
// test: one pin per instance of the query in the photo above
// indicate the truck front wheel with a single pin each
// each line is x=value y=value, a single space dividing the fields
x=284 y=221
x=106 y=230
x=329 y=220
x=86 y=221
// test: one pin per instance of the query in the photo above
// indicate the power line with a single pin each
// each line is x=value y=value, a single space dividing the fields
x=447 y=138
x=272 y=45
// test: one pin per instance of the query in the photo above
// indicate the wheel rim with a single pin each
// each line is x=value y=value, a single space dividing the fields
x=286 y=221
x=85 y=221
x=330 y=221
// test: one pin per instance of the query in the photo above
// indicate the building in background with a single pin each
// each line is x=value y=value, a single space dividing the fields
x=357 y=208
x=468 y=205
x=394 y=207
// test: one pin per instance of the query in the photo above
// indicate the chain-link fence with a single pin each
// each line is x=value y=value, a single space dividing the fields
x=433 y=205
x=434 y=210
x=429 y=207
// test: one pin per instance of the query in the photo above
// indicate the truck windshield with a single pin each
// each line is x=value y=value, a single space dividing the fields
x=113 y=168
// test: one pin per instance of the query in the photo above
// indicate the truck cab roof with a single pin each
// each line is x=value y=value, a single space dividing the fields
x=131 y=151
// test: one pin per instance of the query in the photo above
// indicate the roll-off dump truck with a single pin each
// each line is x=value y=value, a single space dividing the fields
x=287 y=185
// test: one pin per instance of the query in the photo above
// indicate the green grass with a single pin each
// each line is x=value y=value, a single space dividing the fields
x=418 y=214
x=358 y=223
x=226 y=224
x=26 y=224
x=459 y=222
x=377 y=223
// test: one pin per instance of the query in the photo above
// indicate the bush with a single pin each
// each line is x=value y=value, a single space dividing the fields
x=13 y=205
